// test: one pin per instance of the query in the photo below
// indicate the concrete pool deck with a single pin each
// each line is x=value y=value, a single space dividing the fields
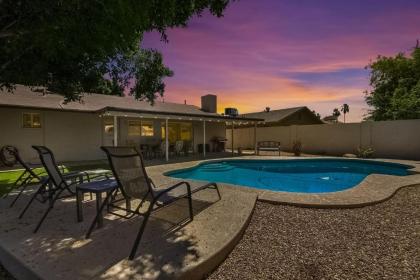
x=168 y=249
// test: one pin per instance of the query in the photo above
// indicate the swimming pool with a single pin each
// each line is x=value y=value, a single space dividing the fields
x=296 y=175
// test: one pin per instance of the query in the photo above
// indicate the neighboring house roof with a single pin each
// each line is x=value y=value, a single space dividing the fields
x=24 y=97
x=285 y=116
x=330 y=119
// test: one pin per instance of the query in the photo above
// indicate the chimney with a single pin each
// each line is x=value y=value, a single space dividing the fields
x=209 y=103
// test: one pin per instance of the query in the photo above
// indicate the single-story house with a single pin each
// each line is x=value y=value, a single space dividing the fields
x=330 y=119
x=284 y=117
x=76 y=130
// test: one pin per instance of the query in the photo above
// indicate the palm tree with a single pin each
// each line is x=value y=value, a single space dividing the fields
x=336 y=113
x=345 y=108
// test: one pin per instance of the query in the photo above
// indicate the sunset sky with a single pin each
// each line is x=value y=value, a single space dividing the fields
x=282 y=54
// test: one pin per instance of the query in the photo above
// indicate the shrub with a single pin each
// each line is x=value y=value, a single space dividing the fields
x=297 y=147
x=366 y=152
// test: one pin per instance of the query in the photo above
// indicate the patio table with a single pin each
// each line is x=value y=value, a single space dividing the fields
x=97 y=187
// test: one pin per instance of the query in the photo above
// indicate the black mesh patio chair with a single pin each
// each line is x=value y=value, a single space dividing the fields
x=129 y=171
x=28 y=176
x=58 y=183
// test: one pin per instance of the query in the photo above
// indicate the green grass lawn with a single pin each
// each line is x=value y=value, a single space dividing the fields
x=8 y=178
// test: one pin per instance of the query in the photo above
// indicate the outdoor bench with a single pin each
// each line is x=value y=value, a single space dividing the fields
x=272 y=146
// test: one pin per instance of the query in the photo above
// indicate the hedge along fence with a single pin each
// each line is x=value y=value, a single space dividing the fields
x=389 y=139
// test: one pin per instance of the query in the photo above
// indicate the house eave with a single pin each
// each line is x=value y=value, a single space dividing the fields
x=171 y=115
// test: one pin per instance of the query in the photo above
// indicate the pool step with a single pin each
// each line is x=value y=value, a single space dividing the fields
x=216 y=167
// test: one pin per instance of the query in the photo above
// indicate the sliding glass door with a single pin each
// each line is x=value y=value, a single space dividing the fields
x=178 y=131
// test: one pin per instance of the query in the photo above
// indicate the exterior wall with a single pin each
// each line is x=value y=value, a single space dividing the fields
x=76 y=136
x=389 y=139
x=71 y=136
x=12 y=133
x=213 y=129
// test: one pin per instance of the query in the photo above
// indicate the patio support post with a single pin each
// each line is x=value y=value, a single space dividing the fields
x=115 y=131
x=233 y=127
x=166 y=140
x=255 y=137
x=204 y=138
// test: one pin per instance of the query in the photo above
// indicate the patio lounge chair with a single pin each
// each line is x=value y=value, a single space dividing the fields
x=58 y=184
x=129 y=171
x=28 y=176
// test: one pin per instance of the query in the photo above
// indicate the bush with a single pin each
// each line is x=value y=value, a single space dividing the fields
x=297 y=148
x=365 y=152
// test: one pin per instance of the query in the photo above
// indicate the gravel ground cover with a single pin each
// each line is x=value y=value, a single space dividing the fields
x=285 y=242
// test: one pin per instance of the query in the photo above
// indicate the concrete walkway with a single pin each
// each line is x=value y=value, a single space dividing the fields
x=168 y=249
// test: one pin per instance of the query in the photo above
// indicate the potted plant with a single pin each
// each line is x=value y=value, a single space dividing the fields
x=365 y=152
x=297 y=148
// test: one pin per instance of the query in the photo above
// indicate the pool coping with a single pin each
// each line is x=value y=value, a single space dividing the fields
x=375 y=188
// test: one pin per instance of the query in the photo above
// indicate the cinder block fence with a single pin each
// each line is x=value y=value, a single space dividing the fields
x=389 y=139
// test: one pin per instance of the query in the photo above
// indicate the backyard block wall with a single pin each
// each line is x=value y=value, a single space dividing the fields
x=389 y=139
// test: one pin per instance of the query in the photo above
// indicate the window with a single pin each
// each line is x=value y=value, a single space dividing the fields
x=109 y=126
x=134 y=128
x=140 y=128
x=31 y=120
x=147 y=128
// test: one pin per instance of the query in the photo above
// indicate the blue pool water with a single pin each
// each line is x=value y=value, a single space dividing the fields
x=299 y=175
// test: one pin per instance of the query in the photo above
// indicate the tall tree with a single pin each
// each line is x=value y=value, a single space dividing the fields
x=318 y=115
x=76 y=46
x=395 y=83
x=336 y=113
x=345 y=108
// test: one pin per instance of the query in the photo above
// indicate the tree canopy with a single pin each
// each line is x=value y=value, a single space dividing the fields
x=336 y=112
x=75 y=46
x=395 y=83
x=345 y=108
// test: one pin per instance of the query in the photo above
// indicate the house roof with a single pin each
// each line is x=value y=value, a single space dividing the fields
x=274 y=115
x=330 y=119
x=24 y=97
x=281 y=115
